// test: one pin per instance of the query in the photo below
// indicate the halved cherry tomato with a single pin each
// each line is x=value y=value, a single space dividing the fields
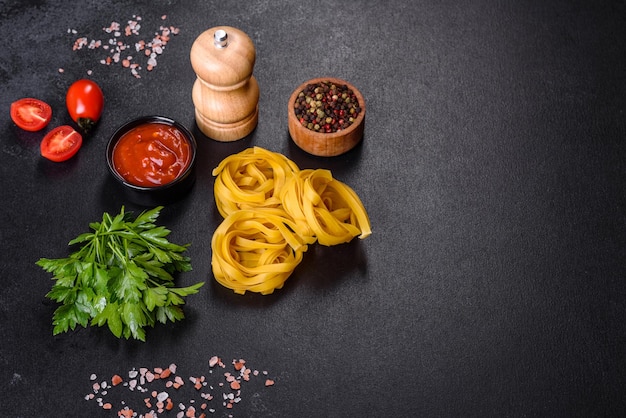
x=31 y=114
x=85 y=101
x=61 y=143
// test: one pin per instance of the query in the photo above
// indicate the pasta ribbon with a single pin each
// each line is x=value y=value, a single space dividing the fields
x=330 y=209
x=251 y=179
x=256 y=250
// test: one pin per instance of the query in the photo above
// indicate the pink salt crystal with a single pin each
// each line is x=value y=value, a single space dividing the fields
x=162 y=397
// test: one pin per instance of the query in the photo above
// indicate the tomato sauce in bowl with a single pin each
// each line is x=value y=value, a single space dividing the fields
x=152 y=154
x=153 y=158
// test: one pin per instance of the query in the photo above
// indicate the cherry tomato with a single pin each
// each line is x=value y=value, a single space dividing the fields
x=31 y=114
x=61 y=143
x=84 y=101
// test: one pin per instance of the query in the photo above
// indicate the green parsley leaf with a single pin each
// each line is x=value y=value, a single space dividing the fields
x=122 y=276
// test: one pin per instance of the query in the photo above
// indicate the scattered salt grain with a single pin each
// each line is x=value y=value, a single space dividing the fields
x=120 y=39
x=162 y=396
x=166 y=377
x=213 y=361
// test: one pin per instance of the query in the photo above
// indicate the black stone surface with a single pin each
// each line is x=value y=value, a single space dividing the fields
x=492 y=168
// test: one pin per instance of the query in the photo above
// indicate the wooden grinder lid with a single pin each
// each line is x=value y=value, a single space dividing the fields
x=223 y=57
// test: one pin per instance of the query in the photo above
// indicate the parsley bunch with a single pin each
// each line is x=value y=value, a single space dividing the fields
x=121 y=276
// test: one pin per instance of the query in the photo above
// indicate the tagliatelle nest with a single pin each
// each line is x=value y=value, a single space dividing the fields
x=330 y=209
x=256 y=250
x=251 y=179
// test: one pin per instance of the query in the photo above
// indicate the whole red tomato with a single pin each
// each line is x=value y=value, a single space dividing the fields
x=85 y=101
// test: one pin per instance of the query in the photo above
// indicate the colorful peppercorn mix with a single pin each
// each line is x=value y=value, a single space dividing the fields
x=326 y=107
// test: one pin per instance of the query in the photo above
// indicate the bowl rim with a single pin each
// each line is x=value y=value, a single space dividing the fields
x=133 y=123
x=327 y=135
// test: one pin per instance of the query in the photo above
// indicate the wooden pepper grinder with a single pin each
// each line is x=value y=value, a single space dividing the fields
x=225 y=93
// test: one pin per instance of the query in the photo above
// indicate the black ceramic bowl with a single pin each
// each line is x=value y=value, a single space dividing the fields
x=160 y=194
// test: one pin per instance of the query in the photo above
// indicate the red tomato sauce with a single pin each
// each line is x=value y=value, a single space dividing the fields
x=152 y=154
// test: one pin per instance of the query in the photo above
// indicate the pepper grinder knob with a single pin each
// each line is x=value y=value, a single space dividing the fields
x=220 y=38
x=225 y=94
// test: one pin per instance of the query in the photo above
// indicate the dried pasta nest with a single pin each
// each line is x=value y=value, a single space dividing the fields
x=273 y=211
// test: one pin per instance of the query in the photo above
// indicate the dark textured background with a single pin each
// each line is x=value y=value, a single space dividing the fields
x=492 y=169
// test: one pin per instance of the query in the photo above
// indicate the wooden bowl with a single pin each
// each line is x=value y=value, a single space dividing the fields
x=326 y=144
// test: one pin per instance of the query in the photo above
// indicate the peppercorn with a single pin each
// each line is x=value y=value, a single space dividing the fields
x=324 y=106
